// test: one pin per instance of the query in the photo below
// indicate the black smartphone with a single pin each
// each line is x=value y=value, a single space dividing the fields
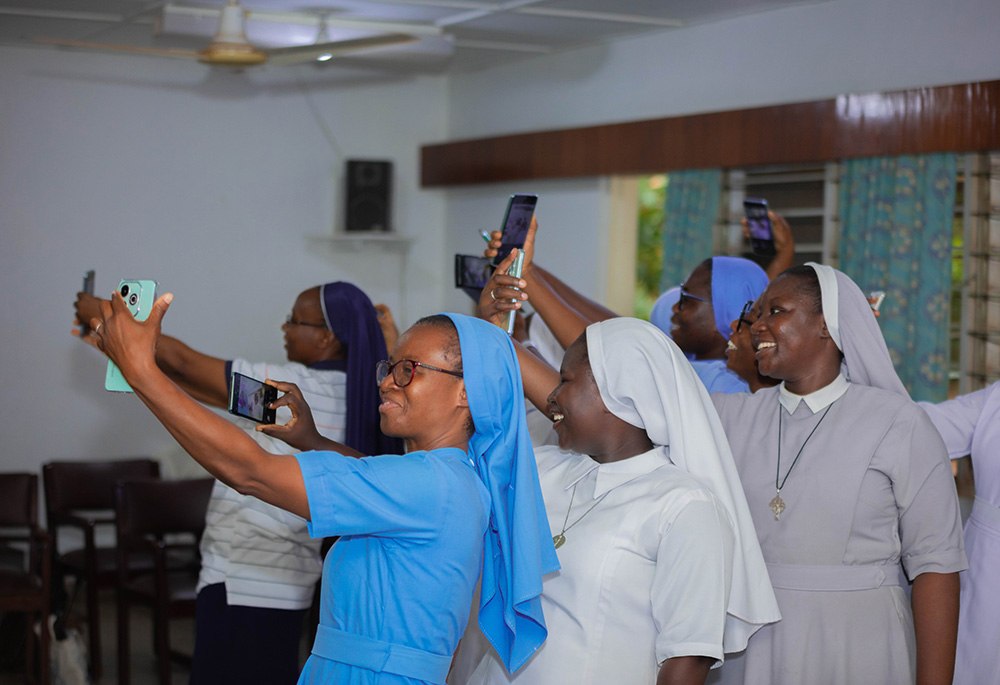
x=471 y=274
x=88 y=287
x=516 y=220
x=251 y=399
x=761 y=235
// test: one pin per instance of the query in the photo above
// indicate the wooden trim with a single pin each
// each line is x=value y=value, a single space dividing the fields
x=960 y=118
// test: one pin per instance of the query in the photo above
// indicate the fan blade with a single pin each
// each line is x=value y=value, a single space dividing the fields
x=310 y=53
x=112 y=47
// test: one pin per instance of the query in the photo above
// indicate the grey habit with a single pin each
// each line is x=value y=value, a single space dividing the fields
x=873 y=489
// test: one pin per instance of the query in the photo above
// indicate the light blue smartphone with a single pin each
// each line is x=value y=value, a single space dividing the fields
x=139 y=297
x=515 y=270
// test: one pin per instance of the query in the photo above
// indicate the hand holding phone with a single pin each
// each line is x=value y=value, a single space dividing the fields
x=759 y=225
x=251 y=398
x=139 y=297
x=516 y=221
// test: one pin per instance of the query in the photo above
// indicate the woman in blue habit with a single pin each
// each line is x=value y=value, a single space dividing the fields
x=415 y=530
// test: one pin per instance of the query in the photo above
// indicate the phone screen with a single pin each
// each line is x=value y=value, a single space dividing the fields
x=472 y=271
x=517 y=220
x=250 y=398
x=88 y=287
x=759 y=225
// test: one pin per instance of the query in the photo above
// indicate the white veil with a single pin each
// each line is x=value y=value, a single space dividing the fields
x=645 y=380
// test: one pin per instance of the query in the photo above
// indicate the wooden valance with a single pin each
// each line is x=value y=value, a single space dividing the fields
x=959 y=118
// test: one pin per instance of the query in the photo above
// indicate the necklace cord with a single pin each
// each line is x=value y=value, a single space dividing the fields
x=777 y=470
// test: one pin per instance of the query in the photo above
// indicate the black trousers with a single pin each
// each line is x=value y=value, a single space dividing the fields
x=244 y=645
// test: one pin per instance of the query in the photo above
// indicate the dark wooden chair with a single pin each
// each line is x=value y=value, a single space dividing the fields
x=151 y=516
x=80 y=494
x=26 y=590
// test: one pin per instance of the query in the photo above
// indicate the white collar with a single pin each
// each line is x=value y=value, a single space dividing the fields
x=816 y=401
x=613 y=474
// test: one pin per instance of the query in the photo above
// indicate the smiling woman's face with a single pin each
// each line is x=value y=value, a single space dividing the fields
x=431 y=410
x=740 y=353
x=790 y=335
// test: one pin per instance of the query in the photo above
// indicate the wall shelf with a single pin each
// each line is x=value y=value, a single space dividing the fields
x=357 y=242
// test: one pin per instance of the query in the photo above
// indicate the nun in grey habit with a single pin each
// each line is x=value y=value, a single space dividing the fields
x=846 y=480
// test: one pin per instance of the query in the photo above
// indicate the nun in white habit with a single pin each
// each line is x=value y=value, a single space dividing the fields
x=661 y=573
x=846 y=480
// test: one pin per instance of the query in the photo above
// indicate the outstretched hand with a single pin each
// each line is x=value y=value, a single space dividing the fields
x=502 y=294
x=300 y=431
x=130 y=344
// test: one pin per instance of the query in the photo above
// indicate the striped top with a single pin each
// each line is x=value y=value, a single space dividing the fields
x=264 y=554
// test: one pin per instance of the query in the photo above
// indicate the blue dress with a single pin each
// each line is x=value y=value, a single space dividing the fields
x=718 y=378
x=405 y=567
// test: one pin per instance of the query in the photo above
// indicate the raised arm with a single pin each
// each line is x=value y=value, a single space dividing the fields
x=200 y=375
x=784 y=245
x=553 y=300
x=497 y=300
x=222 y=448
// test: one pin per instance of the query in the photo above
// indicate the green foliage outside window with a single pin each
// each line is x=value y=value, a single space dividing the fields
x=649 y=258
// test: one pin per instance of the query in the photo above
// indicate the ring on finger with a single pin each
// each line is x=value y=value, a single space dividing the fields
x=493 y=294
x=97 y=329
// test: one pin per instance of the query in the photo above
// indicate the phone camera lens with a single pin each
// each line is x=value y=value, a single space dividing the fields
x=124 y=291
x=133 y=299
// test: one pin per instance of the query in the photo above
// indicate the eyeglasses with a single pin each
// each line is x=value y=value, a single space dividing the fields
x=403 y=370
x=292 y=322
x=743 y=316
x=686 y=295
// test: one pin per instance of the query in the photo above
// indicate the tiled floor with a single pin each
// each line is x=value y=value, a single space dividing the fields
x=144 y=669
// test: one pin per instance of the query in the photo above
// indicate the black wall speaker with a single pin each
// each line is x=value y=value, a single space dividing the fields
x=369 y=191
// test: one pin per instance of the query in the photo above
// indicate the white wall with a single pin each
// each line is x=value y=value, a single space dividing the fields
x=149 y=168
x=808 y=52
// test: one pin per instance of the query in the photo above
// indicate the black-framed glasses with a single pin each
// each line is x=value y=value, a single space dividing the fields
x=293 y=322
x=686 y=295
x=743 y=316
x=403 y=370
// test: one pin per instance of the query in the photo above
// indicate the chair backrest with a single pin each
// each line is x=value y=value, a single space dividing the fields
x=158 y=507
x=71 y=485
x=18 y=500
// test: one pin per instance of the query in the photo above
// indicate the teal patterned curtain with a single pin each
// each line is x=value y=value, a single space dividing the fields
x=691 y=209
x=896 y=219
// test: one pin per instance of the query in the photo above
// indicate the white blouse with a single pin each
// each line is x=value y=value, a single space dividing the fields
x=645 y=571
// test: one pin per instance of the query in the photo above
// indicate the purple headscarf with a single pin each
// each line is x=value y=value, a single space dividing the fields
x=352 y=318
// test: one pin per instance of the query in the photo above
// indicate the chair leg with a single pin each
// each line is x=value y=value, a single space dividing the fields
x=161 y=620
x=29 y=649
x=124 y=655
x=44 y=668
x=94 y=627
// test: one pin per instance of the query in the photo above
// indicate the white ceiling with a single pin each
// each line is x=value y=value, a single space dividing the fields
x=454 y=34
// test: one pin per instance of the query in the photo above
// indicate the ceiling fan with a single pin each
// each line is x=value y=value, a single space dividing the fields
x=231 y=48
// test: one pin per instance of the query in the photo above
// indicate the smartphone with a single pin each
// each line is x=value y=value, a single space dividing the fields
x=139 y=297
x=472 y=273
x=761 y=235
x=251 y=399
x=878 y=296
x=88 y=287
x=517 y=219
x=515 y=270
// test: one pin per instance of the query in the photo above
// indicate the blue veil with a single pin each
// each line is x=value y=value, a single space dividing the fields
x=518 y=545
x=735 y=281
